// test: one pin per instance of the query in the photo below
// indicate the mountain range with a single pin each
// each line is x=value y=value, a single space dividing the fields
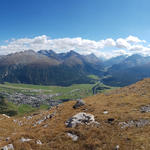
x=127 y=71
x=47 y=67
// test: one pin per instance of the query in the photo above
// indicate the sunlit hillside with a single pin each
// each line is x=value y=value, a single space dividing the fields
x=122 y=121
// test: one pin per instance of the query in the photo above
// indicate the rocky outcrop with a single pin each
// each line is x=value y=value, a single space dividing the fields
x=81 y=118
x=49 y=116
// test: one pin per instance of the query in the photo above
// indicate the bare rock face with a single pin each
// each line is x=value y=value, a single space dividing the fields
x=79 y=103
x=80 y=118
x=8 y=147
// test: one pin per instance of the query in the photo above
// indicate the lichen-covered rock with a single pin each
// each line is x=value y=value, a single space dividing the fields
x=79 y=103
x=80 y=118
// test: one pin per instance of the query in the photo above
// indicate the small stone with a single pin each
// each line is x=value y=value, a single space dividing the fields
x=8 y=138
x=8 y=147
x=45 y=126
x=5 y=116
x=73 y=136
x=105 y=112
x=117 y=147
x=29 y=117
x=25 y=140
x=145 y=109
x=110 y=120
x=79 y=103
x=38 y=142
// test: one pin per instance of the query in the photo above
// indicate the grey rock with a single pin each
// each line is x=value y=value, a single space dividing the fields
x=38 y=142
x=25 y=140
x=79 y=103
x=145 y=109
x=44 y=119
x=8 y=147
x=80 y=118
x=29 y=117
x=8 y=138
x=6 y=116
x=117 y=147
x=73 y=136
x=45 y=126
x=135 y=123
x=105 y=112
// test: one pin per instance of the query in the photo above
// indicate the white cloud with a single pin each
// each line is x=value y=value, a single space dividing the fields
x=122 y=43
x=108 y=42
x=104 y=48
x=134 y=39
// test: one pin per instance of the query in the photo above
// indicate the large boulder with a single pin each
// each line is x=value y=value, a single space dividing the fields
x=80 y=118
x=79 y=103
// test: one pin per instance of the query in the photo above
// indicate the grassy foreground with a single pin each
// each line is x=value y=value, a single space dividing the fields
x=123 y=105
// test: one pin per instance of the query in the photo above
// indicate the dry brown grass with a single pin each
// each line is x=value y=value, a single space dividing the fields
x=122 y=105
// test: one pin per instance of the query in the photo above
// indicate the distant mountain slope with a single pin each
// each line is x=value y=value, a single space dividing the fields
x=46 y=67
x=89 y=63
x=114 y=60
x=131 y=70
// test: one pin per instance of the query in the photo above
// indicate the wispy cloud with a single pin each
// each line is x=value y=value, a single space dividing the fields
x=106 y=48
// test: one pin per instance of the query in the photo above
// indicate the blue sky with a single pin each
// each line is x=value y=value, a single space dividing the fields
x=89 y=19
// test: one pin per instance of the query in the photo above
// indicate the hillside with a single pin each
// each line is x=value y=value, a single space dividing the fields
x=121 y=122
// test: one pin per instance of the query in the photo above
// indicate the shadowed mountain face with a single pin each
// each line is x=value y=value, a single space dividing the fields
x=130 y=70
x=47 y=67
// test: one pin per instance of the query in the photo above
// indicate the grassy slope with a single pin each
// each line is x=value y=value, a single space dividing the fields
x=122 y=104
